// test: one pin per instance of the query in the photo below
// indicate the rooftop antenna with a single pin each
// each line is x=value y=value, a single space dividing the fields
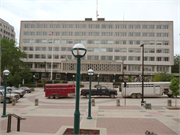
x=97 y=9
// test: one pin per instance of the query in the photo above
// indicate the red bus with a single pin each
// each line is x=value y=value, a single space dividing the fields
x=59 y=90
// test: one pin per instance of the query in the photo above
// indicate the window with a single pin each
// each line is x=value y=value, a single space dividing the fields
x=90 y=26
x=38 y=40
x=158 y=51
x=31 y=41
x=57 y=25
x=166 y=27
x=77 y=26
x=103 y=26
x=166 y=58
x=90 y=41
x=117 y=42
x=137 y=42
x=38 y=49
x=76 y=33
x=159 y=43
x=44 y=33
x=37 y=56
x=83 y=34
x=49 y=56
x=130 y=42
x=63 y=41
x=117 y=34
x=159 y=59
x=96 y=49
x=158 y=34
x=151 y=58
x=44 y=26
x=64 y=34
x=26 y=26
x=64 y=26
x=130 y=34
x=109 y=49
x=44 y=41
x=158 y=27
x=138 y=34
x=43 y=48
x=130 y=26
x=38 y=26
x=134 y=68
x=145 y=34
x=165 y=42
x=43 y=56
x=90 y=34
x=124 y=42
x=49 y=48
x=84 y=26
x=26 y=34
x=110 y=26
x=123 y=26
x=110 y=34
x=25 y=48
x=96 y=42
x=103 y=34
x=70 y=26
x=110 y=42
x=145 y=26
x=117 y=26
x=38 y=33
x=57 y=33
x=56 y=48
x=70 y=41
x=30 y=56
x=31 y=48
x=96 y=34
x=151 y=26
x=103 y=41
x=151 y=34
x=50 y=41
x=103 y=49
x=57 y=41
x=165 y=34
x=32 y=26
x=137 y=26
x=124 y=34
x=56 y=56
x=63 y=48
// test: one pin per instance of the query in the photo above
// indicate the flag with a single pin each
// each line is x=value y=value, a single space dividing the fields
x=51 y=33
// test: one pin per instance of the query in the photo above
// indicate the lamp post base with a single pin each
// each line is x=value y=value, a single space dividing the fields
x=89 y=117
x=4 y=116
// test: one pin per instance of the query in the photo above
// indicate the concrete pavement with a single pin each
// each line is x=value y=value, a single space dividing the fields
x=53 y=116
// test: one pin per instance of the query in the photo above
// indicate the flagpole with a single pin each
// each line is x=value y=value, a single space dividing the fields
x=52 y=56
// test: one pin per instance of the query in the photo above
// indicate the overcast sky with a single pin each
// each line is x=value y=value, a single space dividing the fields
x=13 y=11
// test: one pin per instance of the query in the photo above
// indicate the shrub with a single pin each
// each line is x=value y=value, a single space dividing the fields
x=81 y=85
x=97 y=85
x=40 y=84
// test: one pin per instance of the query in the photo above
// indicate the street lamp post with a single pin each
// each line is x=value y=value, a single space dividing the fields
x=98 y=79
x=66 y=76
x=73 y=78
x=78 y=51
x=5 y=73
x=45 y=76
x=142 y=74
x=114 y=78
x=33 y=80
x=90 y=73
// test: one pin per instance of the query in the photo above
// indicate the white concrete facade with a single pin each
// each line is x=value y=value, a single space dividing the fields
x=108 y=43
x=6 y=30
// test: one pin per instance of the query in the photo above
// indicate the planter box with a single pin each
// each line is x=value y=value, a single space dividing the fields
x=103 y=131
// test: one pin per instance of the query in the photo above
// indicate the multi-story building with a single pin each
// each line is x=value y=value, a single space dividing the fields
x=110 y=46
x=6 y=30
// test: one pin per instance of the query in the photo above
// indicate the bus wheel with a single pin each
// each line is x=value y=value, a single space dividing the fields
x=51 y=96
x=139 y=95
x=133 y=95
x=56 y=96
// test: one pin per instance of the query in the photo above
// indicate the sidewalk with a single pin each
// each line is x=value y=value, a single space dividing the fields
x=51 y=117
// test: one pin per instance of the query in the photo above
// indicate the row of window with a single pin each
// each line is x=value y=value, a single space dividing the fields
x=97 y=34
x=90 y=49
x=96 y=26
x=6 y=27
x=70 y=41
x=130 y=67
x=96 y=57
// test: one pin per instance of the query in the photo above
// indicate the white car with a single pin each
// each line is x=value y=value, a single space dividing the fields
x=9 y=96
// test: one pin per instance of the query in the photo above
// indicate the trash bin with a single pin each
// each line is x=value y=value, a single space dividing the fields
x=169 y=102
x=118 y=102
x=93 y=102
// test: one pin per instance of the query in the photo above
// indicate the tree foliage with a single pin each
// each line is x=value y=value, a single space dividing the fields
x=175 y=67
x=11 y=59
x=162 y=77
x=129 y=79
x=174 y=86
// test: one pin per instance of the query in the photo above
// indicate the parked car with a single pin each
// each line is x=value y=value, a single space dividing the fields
x=101 y=90
x=27 y=89
x=1 y=87
x=13 y=89
x=9 y=96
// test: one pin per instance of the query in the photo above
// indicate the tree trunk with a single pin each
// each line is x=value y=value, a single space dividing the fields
x=176 y=102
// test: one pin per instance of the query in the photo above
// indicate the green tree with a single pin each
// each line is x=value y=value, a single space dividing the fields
x=11 y=59
x=129 y=79
x=175 y=67
x=174 y=86
x=162 y=77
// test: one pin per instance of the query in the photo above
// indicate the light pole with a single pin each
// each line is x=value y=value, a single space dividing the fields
x=5 y=73
x=33 y=80
x=98 y=79
x=142 y=74
x=45 y=76
x=114 y=78
x=90 y=73
x=78 y=51
x=73 y=78
x=66 y=76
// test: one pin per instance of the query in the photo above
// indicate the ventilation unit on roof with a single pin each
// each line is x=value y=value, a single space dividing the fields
x=88 y=19
x=101 y=19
